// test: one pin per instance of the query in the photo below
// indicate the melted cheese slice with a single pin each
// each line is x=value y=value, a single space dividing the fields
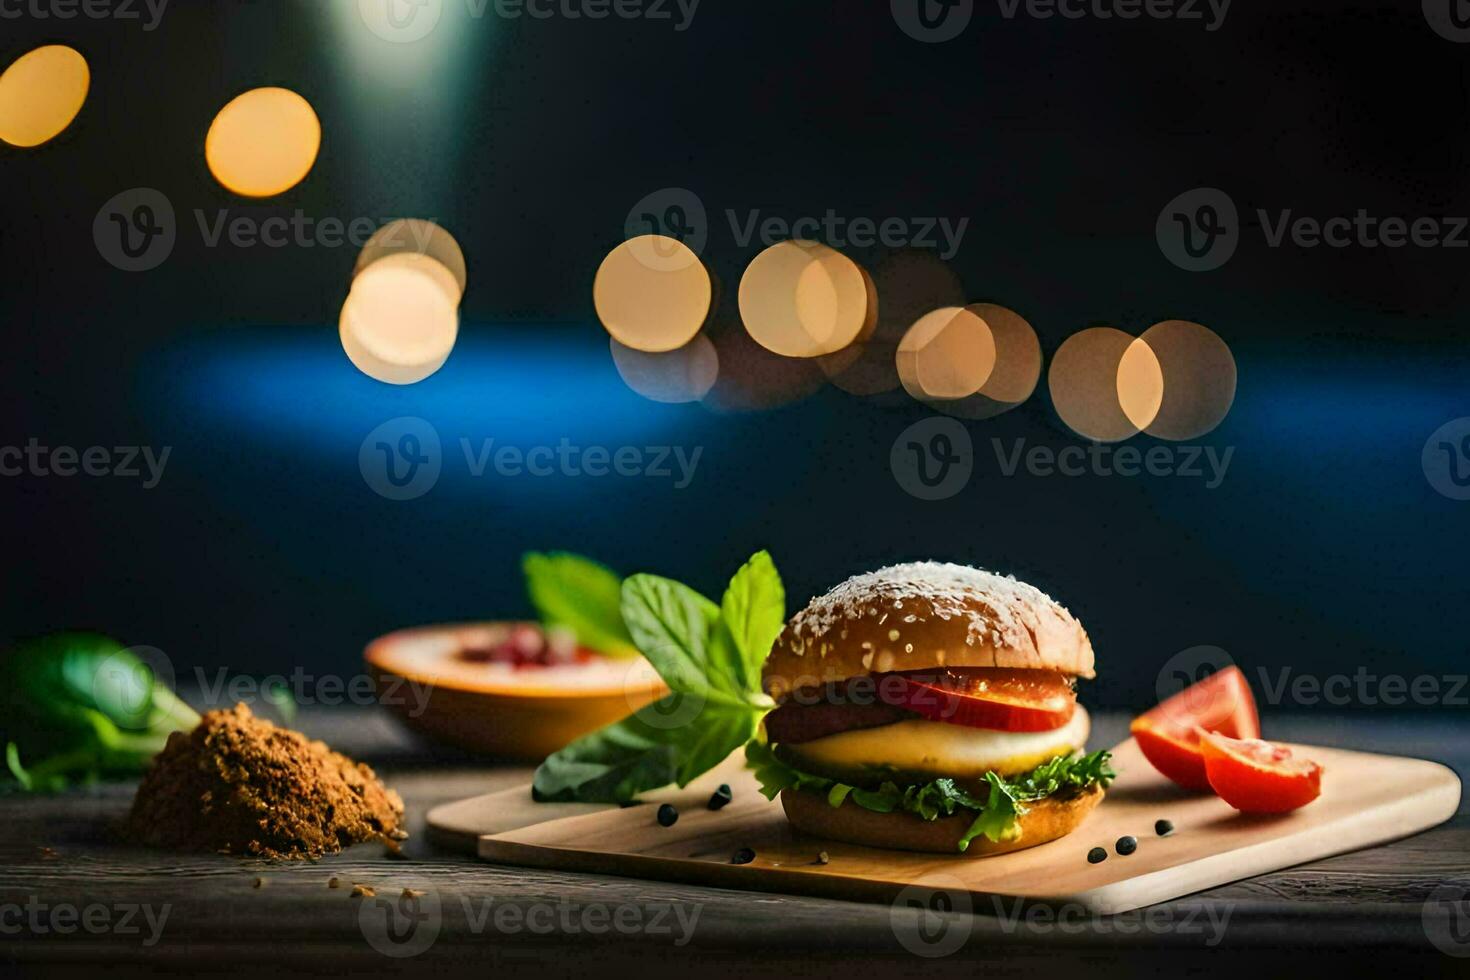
x=931 y=749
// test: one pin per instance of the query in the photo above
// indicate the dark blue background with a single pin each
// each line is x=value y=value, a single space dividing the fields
x=263 y=548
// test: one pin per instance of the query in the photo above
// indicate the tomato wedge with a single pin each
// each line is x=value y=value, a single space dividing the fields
x=983 y=697
x=1168 y=734
x=1259 y=777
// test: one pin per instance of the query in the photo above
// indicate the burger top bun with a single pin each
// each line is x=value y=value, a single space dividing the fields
x=922 y=615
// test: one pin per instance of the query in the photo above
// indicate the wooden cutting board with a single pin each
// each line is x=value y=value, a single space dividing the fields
x=1366 y=800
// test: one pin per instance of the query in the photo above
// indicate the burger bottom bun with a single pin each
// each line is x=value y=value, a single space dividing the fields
x=1044 y=820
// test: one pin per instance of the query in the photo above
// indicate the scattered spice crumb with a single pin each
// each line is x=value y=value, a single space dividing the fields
x=335 y=882
x=413 y=893
x=46 y=853
x=822 y=858
x=238 y=784
x=258 y=883
x=363 y=891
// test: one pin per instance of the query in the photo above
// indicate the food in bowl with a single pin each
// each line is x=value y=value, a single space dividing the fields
x=513 y=690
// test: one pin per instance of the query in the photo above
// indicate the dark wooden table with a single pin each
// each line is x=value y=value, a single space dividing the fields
x=72 y=899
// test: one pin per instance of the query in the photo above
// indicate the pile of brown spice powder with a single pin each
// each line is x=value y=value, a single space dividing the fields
x=241 y=785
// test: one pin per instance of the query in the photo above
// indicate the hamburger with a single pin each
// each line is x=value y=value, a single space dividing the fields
x=931 y=707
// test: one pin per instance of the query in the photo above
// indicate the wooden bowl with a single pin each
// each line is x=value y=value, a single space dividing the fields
x=520 y=714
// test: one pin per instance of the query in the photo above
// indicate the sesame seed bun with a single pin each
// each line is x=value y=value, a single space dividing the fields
x=1044 y=820
x=922 y=615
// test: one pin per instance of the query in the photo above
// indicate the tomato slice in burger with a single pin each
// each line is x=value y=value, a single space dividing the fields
x=1168 y=734
x=983 y=697
x=1259 y=777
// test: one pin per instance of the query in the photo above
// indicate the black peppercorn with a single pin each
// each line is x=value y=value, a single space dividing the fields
x=721 y=797
x=1127 y=845
x=743 y=856
x=668 y=815
x=1163 y=828
x=1097 y=856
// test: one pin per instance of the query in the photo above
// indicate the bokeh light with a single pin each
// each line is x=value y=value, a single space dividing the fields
x=415 y=236
x=1017 y=368
x=1088 y=381
x=652 y=294
x=1199 y=379
x=263 y=142
x=1140 y=384
x=672 y=377
x=948 y=354
x=752 y=378
x=398 y=325
x=906 y=285
x=41 y=93
x=803 y=299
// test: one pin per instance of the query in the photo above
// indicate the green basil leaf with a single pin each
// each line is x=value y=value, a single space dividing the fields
x=580 y=595
x=753 y=612
x=673 y=627
x=710 y=657
x=648 y=749
x=717 y=732
x=611 y=765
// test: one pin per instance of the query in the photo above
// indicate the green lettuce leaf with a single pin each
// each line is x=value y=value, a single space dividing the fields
x=995 y=815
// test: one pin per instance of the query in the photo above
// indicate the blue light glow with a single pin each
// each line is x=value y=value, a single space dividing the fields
x=295 y=389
